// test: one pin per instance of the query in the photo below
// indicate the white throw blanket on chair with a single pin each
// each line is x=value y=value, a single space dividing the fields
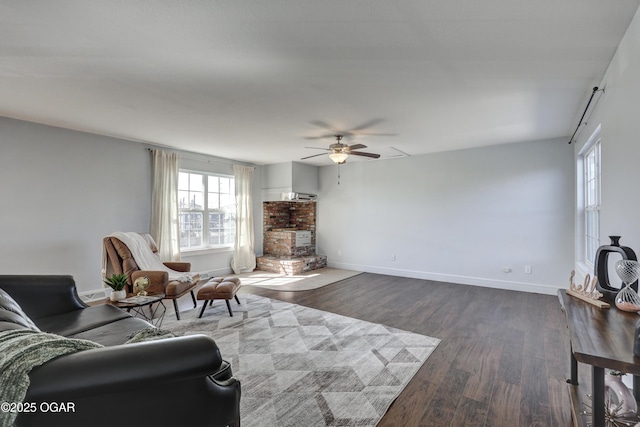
x=144 y=257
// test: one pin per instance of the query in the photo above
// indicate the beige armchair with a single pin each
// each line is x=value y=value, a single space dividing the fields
x=121 y=260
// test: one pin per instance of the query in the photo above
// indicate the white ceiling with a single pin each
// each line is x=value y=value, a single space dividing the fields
x=251 y=80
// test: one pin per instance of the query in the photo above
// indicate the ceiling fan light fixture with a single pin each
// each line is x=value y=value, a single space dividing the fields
x=338 y=157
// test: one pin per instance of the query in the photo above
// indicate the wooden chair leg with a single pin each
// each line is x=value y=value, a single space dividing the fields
x=229 y=307
x=175 y=307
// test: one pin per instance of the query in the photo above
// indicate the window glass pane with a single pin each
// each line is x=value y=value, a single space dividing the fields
x=196 y=200
x=226 y=202
x=214 y=201
x=214 y=228
x=183 y=199
x=183 y=181
x=195 y=182
x=214 y=184
x=210 y=220
x=224 y=185
x=190 y=229
x=591 y=182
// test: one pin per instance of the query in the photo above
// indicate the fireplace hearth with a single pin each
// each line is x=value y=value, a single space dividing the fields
x=289 y=243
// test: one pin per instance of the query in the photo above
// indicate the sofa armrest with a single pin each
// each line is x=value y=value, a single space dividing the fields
x=43 y=295
x=156 y=383
x=124 y=368
x=183 y=267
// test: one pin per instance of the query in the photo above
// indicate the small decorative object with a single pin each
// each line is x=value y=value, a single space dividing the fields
x=628 y=299
x=117 y=282
x=621 y=396
x=601 y=269
x=587 y=292
x=140 y=285
x=614 y=408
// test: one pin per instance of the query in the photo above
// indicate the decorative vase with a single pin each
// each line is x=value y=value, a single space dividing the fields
x=601 y=270
x=620 y=395
x=628 y=299
x=118 y=295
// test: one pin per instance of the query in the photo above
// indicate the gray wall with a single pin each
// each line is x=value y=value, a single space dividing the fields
x=458 y=216
x=616 y=110
x=63 y=191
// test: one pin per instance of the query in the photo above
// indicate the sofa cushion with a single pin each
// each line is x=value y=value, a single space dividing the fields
x=114 y=333
x=77 y=321
x=12 y=316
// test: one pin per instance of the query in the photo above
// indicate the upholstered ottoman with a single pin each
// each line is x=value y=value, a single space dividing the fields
x=219 y=288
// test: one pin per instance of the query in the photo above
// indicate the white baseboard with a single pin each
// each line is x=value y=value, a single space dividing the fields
x=208 y=274
x=449 y=278
x=535 y=288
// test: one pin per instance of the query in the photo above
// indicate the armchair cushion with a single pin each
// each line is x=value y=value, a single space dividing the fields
x=181 y=266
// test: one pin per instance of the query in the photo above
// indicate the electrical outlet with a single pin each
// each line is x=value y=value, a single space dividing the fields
x=393 y=257
x=339 y=252
x=506 y=269
x=527 y=269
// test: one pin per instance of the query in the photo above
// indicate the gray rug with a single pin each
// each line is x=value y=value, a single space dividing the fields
x=305 y=367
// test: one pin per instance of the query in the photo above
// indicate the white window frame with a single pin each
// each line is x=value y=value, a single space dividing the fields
x=205 y=211
x=590 y=177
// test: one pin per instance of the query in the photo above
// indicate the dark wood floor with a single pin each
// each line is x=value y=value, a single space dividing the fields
x=503 y=359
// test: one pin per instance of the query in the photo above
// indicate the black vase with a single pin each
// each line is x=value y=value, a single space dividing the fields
x=601 y=267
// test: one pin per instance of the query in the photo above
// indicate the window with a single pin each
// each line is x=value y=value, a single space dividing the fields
x=591 y=180
x=207 y=210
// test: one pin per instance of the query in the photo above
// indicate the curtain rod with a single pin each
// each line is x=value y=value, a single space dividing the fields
x=595 y=89
x=208 y=161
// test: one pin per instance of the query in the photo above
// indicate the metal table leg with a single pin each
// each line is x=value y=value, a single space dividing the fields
x=597 y=393
x=574 y=368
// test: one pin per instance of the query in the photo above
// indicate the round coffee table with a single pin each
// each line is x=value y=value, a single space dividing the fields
x=136 y=303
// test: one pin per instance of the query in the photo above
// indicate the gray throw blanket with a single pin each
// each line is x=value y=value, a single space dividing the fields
x=20 y=352
x=149 y=334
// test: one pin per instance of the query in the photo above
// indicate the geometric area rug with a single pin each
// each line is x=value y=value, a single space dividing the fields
x=299 y=366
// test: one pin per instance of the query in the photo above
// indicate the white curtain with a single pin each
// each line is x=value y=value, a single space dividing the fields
x=244 y=258
x=164 y=205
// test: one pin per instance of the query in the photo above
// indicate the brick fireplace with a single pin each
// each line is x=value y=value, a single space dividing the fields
x=289 y=243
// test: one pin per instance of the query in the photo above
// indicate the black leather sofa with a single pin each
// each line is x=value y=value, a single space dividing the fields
x=181 y=381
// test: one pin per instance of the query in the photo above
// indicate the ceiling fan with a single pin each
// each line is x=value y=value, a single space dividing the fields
x=339 y=152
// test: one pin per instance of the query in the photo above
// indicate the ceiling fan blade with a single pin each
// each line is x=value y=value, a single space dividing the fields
x=377 y=134
x=318 y=148
x=366 y=125
x=327 y=135
x=322 y=124
x=315 y=155
x=357 y=146
x=361 y=153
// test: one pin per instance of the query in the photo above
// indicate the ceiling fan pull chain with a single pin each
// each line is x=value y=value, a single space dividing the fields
x=338 y=173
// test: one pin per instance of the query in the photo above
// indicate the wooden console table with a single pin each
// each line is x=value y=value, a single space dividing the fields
x=602 y=338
